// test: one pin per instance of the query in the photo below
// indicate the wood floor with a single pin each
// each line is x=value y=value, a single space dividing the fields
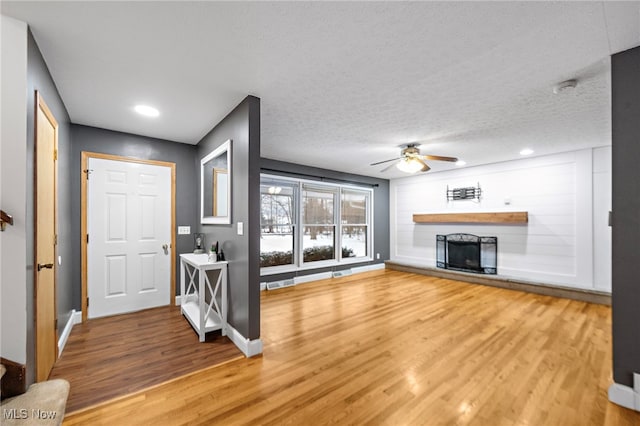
x=110 y=357
x=389 y=347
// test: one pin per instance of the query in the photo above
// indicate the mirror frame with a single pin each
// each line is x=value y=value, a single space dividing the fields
x=213 y=220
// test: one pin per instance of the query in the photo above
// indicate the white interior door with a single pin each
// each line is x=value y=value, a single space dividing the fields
x=129 y=236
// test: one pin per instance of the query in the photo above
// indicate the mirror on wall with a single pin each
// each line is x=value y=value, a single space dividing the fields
x=215 y=186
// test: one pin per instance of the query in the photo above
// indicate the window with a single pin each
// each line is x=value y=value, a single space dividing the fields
x=277 y=222
x=307 y=224
x=318 y=220
x=354 y=221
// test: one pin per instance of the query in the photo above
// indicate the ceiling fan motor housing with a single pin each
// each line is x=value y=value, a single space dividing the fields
x=410 y=150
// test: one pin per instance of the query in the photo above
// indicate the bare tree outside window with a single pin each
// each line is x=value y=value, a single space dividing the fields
x=277 y=220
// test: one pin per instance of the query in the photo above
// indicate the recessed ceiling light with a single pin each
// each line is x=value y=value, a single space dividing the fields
x=461 y=163
x=526 y=151
x=146 y=110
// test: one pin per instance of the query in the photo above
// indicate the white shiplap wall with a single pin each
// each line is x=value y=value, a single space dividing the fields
x=558 y=191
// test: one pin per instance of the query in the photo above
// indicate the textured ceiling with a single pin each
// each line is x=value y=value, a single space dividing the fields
x=343 y=84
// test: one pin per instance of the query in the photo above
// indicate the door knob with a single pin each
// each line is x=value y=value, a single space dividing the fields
x=165 y=247
x=45 y=266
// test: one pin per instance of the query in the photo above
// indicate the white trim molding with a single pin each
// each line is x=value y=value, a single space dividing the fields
x=367 y=268
x=326 y=275
x=626 y=396
x=312 y=277
x=74 y=318
x=248 y=347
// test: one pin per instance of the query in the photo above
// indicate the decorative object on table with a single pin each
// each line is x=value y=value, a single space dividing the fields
x=198 y=243
x=468 y=193
x=213 y=253
x=221 y=256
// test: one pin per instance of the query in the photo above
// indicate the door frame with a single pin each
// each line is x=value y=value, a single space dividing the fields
x=41 y=105
x=84 y=172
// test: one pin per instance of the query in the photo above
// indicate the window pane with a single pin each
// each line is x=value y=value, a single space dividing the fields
x=277 y=204
x=354 y=207
x=354 y=241
x=318 y=243
x=276 y=249
x=277 y=219
x=317 y=206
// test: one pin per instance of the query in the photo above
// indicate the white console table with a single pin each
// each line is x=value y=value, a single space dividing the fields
x=204 y=316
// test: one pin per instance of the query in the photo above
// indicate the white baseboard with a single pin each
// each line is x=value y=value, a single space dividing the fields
x=367 y=268
x=626 y=396
x=248 y=347
x=326 y=275
x=178 y=300
x=312 y=277
x=74 y=318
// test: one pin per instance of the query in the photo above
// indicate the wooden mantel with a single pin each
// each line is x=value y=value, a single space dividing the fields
x=489 y=217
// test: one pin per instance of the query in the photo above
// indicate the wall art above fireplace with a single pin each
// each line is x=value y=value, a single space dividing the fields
x=468 y=193
x=467 y=253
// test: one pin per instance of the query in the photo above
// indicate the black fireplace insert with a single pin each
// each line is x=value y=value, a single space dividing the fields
x=467 y=253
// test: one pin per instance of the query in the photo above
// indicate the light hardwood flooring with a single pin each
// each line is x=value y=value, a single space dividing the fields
x=395 y=348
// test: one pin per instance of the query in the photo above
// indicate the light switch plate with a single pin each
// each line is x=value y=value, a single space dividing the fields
x=184 y=230
x=240 y=228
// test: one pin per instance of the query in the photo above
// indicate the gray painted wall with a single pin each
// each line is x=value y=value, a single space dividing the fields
x=380 y=208
x=625 y=296
x=38 y=78
x=92 y=139
x=242 y=126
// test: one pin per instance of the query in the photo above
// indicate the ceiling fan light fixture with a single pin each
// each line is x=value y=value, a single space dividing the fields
x=409 y=165
x=461 y=163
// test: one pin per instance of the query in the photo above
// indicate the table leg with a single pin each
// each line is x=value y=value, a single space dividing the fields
x=182 y=278
x=201 y=297
x=223 y=273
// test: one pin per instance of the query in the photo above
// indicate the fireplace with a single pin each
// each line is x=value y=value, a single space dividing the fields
x=467 y=253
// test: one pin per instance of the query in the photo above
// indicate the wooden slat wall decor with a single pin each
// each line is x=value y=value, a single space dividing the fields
x=490 y=217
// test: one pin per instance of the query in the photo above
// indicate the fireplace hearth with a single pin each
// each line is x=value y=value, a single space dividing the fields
x=467 y=253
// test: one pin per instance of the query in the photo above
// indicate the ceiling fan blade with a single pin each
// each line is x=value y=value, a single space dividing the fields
x=388 y=167
x=385 y=161
x=424 y=168
x=440 y=158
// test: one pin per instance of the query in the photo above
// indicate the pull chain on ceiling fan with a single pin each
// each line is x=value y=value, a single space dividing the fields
x=411 y=161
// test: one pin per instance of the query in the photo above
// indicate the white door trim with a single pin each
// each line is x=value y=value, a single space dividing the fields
x=83 y=219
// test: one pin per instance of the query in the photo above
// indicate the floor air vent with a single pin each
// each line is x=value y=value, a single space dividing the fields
x=342 y=273
x=280 y=284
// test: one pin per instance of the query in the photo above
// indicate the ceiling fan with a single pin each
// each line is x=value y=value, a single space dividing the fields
x=411 y=161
